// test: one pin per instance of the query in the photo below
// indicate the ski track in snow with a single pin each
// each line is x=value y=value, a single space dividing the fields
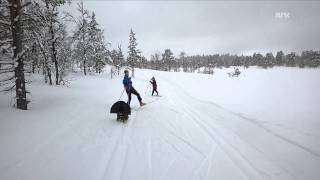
x=220 y=143
x=197 y=115
x=175 y=136
x=256 y=123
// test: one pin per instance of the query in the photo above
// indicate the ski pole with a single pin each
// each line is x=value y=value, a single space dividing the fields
x=147 y=88
x=121 y=95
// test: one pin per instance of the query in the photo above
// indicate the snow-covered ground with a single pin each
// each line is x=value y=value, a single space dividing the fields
x=262 y=125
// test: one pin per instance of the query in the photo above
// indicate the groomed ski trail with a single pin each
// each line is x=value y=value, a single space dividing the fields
x=175 y=136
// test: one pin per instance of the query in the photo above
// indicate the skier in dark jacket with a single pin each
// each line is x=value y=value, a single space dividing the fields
x=127 y=83
x=154 y=86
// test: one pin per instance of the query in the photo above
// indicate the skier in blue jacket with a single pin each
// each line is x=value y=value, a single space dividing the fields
x=127 y=83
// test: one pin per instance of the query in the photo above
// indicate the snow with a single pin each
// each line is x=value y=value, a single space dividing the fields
x=263 y=124
x=16 y=19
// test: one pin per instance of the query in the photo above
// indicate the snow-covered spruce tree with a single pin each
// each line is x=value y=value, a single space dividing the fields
x=114 y=57
x=236 y=61
x=167 y=57
x=117 y=58
x=143 y=62
x=280 y=58
x=311 y=58
x=81 y=37
x=183 y=61
x=246 y=61
x=120 y=56
x=258 y=60
x=139 y=58
x=316 y=59
x=133 y=53
x=175 y=64
x=300 y=61
x=89 y=46
x=155 y=59
x=97 y=48
x=290 y=59
x=269 y=60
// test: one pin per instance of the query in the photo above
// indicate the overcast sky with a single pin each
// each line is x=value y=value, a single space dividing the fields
x=208 y=27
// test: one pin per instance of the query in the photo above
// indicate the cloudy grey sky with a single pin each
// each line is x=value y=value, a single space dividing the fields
x=208 y=27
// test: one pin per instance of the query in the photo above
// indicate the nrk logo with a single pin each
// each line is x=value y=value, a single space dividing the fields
x=282 y=15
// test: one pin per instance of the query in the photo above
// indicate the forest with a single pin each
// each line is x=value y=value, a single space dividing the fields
x=34 y=38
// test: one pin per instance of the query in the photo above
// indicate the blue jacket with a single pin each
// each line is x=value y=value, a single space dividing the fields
x=127 y=83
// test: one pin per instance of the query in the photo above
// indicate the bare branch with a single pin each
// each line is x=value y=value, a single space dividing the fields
x=3 y=22
x=6 y=71
x=25 y=5
x=8 y=89
x=6 y=80
x=6 y=41
x=6 y=62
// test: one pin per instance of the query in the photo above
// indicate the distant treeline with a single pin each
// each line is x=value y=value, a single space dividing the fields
x=168 y=62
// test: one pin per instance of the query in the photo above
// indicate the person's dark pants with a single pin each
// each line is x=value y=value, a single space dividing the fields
x=154 y=89
x=132 y=91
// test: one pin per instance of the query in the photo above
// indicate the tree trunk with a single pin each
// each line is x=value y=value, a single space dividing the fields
x=49 y=75
x=54 y=58
x=83 y=41
x=33 y=67
x=53 y=44
x=15 y=12
x=54 y=54
x=45 y=75
x=84 y=58
x=84 y=66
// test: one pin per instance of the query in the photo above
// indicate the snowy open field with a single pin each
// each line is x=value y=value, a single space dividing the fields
x=262 y=125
